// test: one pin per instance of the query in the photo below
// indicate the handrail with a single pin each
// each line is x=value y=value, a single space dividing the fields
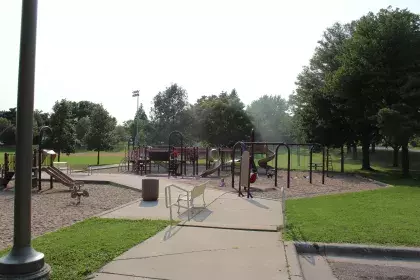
x=168 y=191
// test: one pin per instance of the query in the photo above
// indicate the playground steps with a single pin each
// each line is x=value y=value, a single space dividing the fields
x=330 y=164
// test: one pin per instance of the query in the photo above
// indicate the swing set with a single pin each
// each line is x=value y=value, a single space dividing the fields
x=248 y=169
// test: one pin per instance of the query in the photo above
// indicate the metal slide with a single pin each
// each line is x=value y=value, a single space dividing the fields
x=60 y=176
x=214 y=168
x=216 y=165
x=263 y=163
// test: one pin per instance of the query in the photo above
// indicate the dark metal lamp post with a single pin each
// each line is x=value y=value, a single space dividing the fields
x=41 y=132
x=23 y=262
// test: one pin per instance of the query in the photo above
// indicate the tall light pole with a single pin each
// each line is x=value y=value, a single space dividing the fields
x=136 y=93
x=23 y=262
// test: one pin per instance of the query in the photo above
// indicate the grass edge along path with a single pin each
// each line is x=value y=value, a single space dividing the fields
x=388 y=216
x=81 y=249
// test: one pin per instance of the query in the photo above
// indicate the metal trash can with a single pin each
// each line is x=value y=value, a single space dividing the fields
x=150 y=189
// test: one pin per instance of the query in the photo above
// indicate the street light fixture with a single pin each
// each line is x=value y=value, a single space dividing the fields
x=136 y=93
x=23 y=262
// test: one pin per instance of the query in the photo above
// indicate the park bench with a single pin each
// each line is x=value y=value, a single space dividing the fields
x=185 y=199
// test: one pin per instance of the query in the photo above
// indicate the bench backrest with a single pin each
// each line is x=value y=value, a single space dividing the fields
x=198 y=190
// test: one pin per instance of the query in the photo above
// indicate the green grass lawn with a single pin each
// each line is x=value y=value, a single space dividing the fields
x=81 y=160
x=81 y=249
x=388 y=216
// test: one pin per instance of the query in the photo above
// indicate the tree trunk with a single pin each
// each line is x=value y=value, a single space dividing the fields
x=373 y=147
x=342 y=160
x=366 y=155
x=405 y=163
x=97 y=159
x=395 y=156
x=348 y=149
x=59 y=155
x=354 y=148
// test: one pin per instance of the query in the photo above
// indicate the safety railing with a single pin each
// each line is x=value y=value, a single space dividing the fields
x=168 y=199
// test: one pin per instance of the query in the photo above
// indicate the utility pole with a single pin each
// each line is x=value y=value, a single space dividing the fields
x=23 y=262
x=136 y=93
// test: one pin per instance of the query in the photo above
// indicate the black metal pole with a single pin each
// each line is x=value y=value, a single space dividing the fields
x=328 y=162
x=128 y=155
x=23 y=262
x=39 y=161
x=196 y=157
x=232 y=166
x=252 y=163
x=310 y=164
x=323 y=164
x=51 y=178
x=275 y=165
x=288 y=166
x=169 y=155
x=207 y=157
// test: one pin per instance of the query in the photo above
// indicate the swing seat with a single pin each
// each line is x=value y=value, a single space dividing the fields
x=253 y=178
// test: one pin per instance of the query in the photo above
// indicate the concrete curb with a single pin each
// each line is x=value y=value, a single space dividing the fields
x=357 y=250
x=379 y=183
x=230 y=227
x=292 y=259
x=101 y=182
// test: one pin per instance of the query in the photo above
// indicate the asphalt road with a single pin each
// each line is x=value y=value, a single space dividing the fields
x=316 y=267
x=367 y=269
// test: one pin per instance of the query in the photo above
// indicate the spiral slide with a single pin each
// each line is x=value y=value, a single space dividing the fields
x=216 y=165
x=263 y=163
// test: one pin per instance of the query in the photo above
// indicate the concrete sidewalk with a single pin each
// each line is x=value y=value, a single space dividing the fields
x=201 y=253
x=231 y=238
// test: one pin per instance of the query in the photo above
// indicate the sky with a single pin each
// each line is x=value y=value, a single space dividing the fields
x=102 y=50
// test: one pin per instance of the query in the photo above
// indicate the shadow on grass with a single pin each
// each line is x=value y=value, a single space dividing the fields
x=392 y=177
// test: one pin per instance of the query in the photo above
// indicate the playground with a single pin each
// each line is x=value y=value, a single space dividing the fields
x=238 y=189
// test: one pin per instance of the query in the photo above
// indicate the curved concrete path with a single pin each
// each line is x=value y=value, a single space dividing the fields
x=232 y=238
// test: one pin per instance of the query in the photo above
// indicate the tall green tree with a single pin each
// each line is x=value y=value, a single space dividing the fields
x=5 y=125
x=318 y=115
x=63 y=128
x=222 y=119
x=376 y=63
x=82 y=109
x=82 y=128
x=168 y=108
x=101 y=134
x=270 y=118
x=8 y=136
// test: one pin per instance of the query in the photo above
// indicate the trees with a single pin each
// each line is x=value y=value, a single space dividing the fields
x=318 y=115
x=8 y=136
x=82 y=109
x=270 y=118
x=221 y=120
x=167 y=110
x=100 y=136
x=5 y=125
x=63 y=128
x=376 y=63
x=82 y=128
